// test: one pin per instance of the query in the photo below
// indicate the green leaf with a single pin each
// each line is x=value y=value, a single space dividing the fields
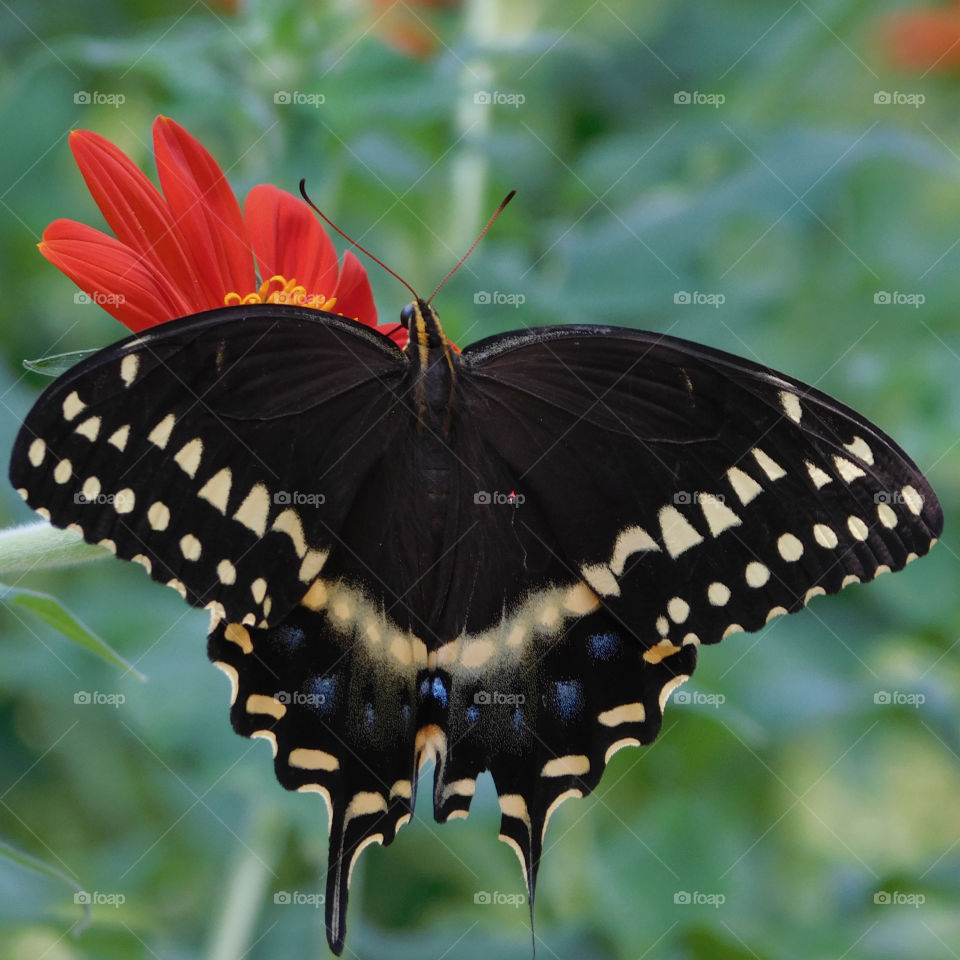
x=30 y=862
x=52 y=612
x=57 y=363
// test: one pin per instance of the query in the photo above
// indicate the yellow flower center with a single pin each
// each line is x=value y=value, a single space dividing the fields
x=286 y=291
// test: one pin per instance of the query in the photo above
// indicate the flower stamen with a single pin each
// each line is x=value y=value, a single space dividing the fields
x=287 y=291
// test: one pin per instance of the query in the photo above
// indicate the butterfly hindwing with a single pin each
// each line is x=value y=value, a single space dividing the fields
x=221 y=451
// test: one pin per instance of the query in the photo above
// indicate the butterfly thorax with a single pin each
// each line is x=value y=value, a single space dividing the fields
x=433 y=366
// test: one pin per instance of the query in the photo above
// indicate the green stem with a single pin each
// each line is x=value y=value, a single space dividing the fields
x=37 y=546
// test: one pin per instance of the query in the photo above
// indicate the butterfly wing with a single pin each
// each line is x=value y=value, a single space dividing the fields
x=685 y=494
x=222 y=451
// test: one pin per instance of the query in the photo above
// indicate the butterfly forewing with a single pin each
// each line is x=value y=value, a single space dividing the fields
x=222 y=451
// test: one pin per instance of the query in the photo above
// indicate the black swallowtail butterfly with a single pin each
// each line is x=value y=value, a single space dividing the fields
x=503 y=559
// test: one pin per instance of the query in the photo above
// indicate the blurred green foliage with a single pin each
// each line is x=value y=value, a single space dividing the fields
x=799 y=799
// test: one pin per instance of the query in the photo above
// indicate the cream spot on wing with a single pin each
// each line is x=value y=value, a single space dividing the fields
x=178 y=586
x=572 y=765
x=63 y=471
x=129 y=367
x=476 y=653
x=76 y=528
x=769 y=466
x=312 y=564
x=253 y=512
x=259 y=703
x=466 y=787
x=24 y=493
x=849 y=579
x=600 y=577
x=618 y=745
x=718 y=515
x=630 y=541
x=316 y=597
x=548 y=614
x=791 y=405
x=814 y=592
x=677 y=533
x=402 y=788
x=775 y=612
x=217 y=612
x=37 y=452
x=570 y=794
x=887 y=516
x=580 y=600
x=790 y=547
x=756 y=574
x=691 y=640
x=158 y=516
x=744 y=486
x=124 y=500
x=90 y=428
x=626 y=713
x=259 y=589
x=231 y=673
x=718 y=593
x=304 y=758
x=513 y=805
x=227 y=572
x=731 y=629
x=119 y=437
x=190 y=547
x=858 y=529
x=342 y=607
x=188 y=457
x=660 y=651
x=216 y=491
x=819 y=477
x=364 y=803
x=91 y=488
x=678 y=609
x=288 y=522
x=106 y=544
x=882 y=569
x=159 y=436
x=663 y=626
x=401 y=650
x=72 y=405
x=860 y=448
x=911 y=556
x=848 y=470
x=669 y=687
x=825 y=536
x=912 y=499
x=239 y=635
x=267 y=735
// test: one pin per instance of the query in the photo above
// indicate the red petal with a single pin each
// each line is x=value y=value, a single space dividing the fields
x=288 y=240
x=397 y=332
x=138 y=215
x=353 y=293
x=113 y=275
x=203 y=205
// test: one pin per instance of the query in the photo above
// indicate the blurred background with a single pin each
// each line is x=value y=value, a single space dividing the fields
x=778 y=179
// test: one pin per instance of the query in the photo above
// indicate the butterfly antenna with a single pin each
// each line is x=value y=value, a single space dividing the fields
x=473 y=246
x=347 y=237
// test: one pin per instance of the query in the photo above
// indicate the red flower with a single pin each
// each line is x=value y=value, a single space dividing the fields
x=190 y=248
x=924 y=38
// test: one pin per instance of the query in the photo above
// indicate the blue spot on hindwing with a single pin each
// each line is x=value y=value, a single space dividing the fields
x=321 y=694
x=566 y=700
x=440 y=692
x=603 y=646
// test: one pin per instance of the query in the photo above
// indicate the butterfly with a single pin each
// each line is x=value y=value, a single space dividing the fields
x=500 y=559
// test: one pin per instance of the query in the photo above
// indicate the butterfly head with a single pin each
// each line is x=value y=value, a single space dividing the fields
x=423 y=325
